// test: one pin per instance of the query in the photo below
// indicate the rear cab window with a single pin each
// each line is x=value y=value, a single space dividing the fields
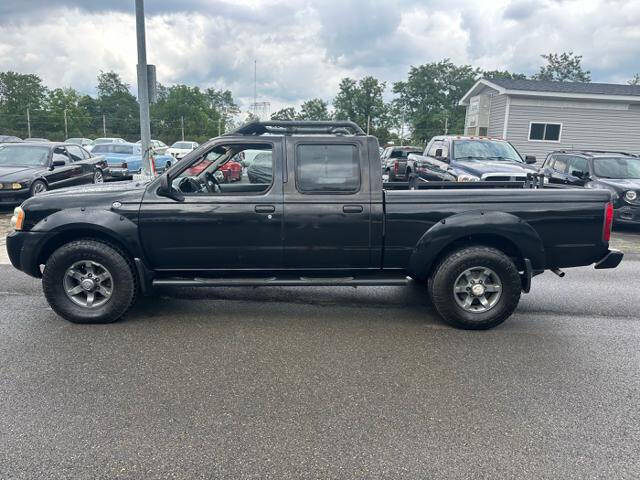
x=327 y=168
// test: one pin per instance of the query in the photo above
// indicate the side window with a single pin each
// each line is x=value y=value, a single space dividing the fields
x=234 y=169
x=75 y=153
x=578 y=167
x=545 y=132
x=86 y=154
x=438 y=145
x=59 y=155
x=327 y=169
x=560 y=164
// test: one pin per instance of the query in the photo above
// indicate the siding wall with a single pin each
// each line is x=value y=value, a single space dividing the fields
x=496 y=115
x=600 y=126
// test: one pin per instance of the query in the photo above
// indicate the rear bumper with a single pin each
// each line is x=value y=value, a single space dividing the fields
x=23 y=249
x=118 y=173
x=611 y=260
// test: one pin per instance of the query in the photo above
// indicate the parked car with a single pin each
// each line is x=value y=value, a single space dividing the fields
x=394 y=161
x=261 y=168
x=179 y=149
x=231 y=170
x=471 y=159
x=9 y=139
x=617 y=172
x=37 y=139
x=125 y=159
x=159 y=147
x=322 y=218
x=83 y=142
x=28 y=169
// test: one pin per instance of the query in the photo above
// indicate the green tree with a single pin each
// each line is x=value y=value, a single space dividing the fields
x=17 y=93
x=314 y=109
x=119 y=106
x=430 y=95
x=288 y=113
x=188 y=106
x=635 y=80
x=564 y=67
x=502 y=74
x=59 y=101
x=362 y=102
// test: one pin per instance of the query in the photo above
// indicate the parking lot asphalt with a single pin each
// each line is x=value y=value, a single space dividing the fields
x=324 y=383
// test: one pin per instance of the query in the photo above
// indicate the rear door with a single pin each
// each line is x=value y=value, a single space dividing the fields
x=83 y=168
x=327 y=210
x=557 y=169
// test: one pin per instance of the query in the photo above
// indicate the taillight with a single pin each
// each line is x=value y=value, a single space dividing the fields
x=608 y=222
x=395 y=166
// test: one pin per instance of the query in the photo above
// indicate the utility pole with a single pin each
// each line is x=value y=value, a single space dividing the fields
x=66 y=130
x=28 y=123
x=219 y=124
x=404 y=110
x=182 y=126
x=143 y=90
x=255 y=86
x=446 y=125
x=104 y=126
x=368 y=123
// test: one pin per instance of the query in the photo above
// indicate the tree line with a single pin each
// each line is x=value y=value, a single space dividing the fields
x=423 y=105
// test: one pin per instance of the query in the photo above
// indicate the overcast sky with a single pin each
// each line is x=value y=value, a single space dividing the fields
x=304 y=47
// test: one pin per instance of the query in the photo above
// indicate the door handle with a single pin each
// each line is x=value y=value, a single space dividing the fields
x=265 y=208
x=352 y=209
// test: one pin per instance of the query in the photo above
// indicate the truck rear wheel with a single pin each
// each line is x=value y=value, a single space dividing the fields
x=475 y=288
x=88 y=281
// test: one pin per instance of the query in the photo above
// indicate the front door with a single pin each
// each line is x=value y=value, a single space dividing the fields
x=327 y=205
x=223 y=223
x=61 y=175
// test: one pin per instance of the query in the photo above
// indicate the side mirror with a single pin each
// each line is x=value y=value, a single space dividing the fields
x=438 y=153
x=530 y=159
x=166 y=190
x=57 y=163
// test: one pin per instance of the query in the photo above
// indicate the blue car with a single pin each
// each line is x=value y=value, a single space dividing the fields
x=125 y=159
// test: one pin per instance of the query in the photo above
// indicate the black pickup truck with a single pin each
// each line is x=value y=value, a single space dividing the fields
x=318 y=216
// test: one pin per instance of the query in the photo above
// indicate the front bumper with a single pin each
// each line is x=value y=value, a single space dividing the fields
x=611 y=260
x=628 y=214
x=23 y=249
x=13 y=197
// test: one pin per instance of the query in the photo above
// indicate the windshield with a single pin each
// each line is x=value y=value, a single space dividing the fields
x=24 y=156
x=182 y=145
x=404 y=153
x=620 y=167
x=484 y=150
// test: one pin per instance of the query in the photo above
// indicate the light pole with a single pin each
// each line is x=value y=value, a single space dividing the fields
x=143 y=91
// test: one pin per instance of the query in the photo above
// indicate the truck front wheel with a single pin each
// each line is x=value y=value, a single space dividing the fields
x=88 y=281
x=475 y=288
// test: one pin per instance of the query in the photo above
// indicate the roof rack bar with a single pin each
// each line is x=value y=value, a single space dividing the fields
x=297 y=126
x=588 y=150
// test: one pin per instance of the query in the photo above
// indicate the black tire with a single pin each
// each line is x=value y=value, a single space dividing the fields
x=124 y=288
x=441 y=287
x=38 y=186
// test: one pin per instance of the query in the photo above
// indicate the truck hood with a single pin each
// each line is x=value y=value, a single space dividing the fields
x=89 y=196
x=621 y=183
x=480 y=167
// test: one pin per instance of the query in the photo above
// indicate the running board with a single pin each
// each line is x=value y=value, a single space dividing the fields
x=380 y=281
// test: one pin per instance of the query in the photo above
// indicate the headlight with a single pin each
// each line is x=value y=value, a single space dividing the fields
x=468 y=178
x=17 y=219
x=11 y=186
x=630 y=196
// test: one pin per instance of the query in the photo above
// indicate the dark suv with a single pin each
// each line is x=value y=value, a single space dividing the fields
x=618 y=172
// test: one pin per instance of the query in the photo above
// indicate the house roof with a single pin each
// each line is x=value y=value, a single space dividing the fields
x=546 y=88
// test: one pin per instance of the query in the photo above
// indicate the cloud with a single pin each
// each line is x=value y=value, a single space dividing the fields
x=304 y=47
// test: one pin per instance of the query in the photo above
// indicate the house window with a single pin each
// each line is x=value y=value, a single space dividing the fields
x=545 y=132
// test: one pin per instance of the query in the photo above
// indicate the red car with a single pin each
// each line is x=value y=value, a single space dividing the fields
x=231 y=170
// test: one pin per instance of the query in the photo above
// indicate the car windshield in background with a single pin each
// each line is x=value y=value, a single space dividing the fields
x=182 y=145
x=484 y=150
x=23 y=156
x=619 y=167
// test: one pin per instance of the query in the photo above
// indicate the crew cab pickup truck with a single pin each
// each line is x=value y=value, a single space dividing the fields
x=319 y=216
